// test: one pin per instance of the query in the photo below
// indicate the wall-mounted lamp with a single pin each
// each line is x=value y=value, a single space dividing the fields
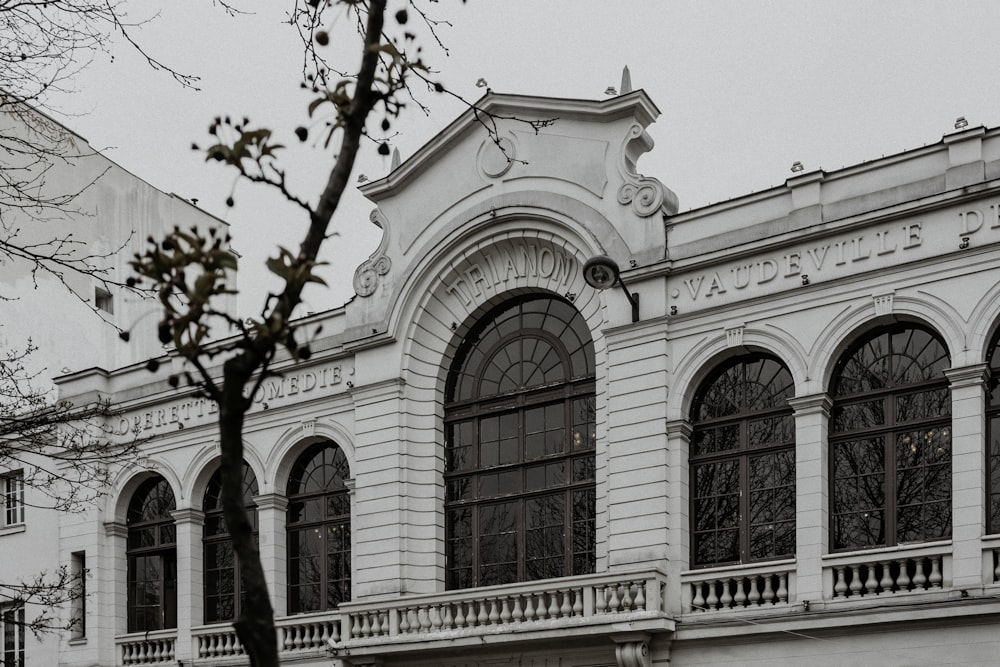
x=603 y=273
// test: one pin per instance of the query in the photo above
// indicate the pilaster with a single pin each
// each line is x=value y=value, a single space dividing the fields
x=812 y=501
x=272 y=545
x=113 y=595
x=968 y=479
x=189 y=524
x=678 y=508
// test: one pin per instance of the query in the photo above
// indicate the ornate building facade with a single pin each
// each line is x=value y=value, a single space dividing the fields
x=784 y=453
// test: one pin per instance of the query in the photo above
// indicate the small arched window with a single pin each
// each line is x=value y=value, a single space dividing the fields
x=152 y=557
x=890 y=440
x=223 y=600
x=742 y=463
x=520 y=441
x=319 y=530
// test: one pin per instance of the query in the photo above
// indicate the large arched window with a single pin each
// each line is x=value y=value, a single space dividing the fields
x=993 y=436
x=742 y=463
x=319 y=530
x=890 y=440
x=223 y=600
x=520 y=439
x=152 y=558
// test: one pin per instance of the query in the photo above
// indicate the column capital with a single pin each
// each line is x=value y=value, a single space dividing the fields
x=115 y=529
x=968 y=376
x=679 y=428
x=189 y=515
x=812 y=404
x=271 y=501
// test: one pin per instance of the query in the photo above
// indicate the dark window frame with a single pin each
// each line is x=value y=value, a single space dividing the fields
x=742 y=455
x=152 y=541
x=335 y=522
x=886 y=403
x=993 y=436
x=215 y=537
x=556 y=479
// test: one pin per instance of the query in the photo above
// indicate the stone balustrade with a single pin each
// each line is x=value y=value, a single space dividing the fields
x=147 y=648
x=743 y=587
x=901 y=570
x=296 y=634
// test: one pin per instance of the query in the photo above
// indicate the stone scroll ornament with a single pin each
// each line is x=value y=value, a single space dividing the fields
x=366 y=277
x=645 y=194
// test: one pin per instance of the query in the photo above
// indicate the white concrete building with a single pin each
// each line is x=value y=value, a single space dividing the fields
x=787 y=457
x=87 y=211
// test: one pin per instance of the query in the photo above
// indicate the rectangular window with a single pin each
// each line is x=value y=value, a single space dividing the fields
x=13 y=498
x=12 y=635
x=104 y=301
x=78 y=569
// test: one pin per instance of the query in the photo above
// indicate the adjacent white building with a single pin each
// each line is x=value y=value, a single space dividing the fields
x=786 y=457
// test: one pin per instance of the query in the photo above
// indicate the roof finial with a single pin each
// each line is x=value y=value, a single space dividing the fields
x=395 y=159
x=626 y=86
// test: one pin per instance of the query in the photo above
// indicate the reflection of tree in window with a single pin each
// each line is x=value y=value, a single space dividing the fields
x=152 y=558
x=319 y=530
x=222 y=569
x=890 y=440
x=743 y=463
x=993 y=435
x=520 y=436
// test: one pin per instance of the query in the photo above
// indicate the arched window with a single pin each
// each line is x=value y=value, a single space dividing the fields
x=520 y=438
x=993 y=436
x=319 y=530
x=152 y=558
x=223 y=600
x=742 y=463
x=890 y=440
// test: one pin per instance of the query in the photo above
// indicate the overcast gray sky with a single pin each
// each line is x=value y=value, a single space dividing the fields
x=746 y=89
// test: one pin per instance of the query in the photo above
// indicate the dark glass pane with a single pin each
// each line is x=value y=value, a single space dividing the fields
x=498 y=547
x=321 y=468
x=584 y=429
x=864 y=370
x=584 y=539
x=923 y=405
x=710 y=440
x=460 y=446
x=461 y=488
x=771 y=431
x=917 y=356
x=855 y=416
x=153 y=501
x=544 y=541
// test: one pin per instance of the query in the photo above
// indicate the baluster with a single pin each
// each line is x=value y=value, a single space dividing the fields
x=470 y=614
x=754 y=596
x=626 y=596
x=355 y=628
x=713 y=597
x=840 y=584
x=425 y=618
x=435 y=615
x=223 y=644
x=541 y=611
x=495 y=611
x=404 y=620
x=578 y=601
x=740 y=598
x=903 y=580
x=935 y=578
x=856 y=584
x=157 y=652
x=565 y=609
x=782 y=587
x=768 y=590
x=529 y=609
x=335 y=631
x=886 y=582
x=726 y=601
x=996 y=570
x=554 y=604
x=366 y=625
x=518 y=613
x=324 y=633
x=602 y=602
x=698 y=600
x=484 y=615
x=614 y=604
x=919 y=578
x=640 y=596
x=505 y=611
x=449 y=619
x=871 y=581
x=376 y=625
